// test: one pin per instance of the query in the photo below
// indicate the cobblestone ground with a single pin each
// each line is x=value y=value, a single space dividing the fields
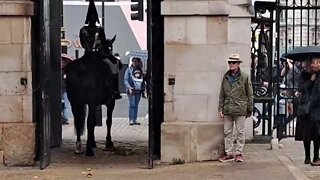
x=295 y=151
x=131 y=143
x=261 y=164
x=129 y=161
x=121 y=131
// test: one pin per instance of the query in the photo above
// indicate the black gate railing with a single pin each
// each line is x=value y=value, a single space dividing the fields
x=262 y=66
x=277 y=28
x=296 y=25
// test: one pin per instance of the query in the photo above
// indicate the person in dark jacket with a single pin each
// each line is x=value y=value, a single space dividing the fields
x=235 y=105
x=306 y=130
x=315 y=100
x=65 y=106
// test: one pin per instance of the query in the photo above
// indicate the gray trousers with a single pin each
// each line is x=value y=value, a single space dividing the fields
x=229 y=122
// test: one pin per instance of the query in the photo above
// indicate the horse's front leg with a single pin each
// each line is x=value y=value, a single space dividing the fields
x=91 y=126
x=110 y=108
x=79 y=117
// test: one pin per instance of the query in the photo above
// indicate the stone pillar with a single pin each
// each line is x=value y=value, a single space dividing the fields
x=17 y=130
x=199 y=36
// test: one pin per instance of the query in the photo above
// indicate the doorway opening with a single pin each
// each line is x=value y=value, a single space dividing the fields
x=56 y=141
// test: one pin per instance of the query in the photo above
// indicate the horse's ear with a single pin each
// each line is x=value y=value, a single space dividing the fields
x=113 y=39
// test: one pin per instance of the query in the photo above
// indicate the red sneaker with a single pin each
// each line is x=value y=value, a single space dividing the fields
x=239 y=158
x=226 y=158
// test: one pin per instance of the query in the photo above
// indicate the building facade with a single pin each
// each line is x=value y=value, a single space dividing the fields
x=17 y=127
x=299 y=27
x=198 y=38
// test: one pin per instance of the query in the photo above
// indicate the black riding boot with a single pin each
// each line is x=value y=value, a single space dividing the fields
x=306 y=145
x=316 y=145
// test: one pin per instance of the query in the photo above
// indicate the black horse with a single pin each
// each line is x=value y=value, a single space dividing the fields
x=89 y=81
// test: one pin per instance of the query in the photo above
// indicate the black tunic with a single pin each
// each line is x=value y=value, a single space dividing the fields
x=306 y=130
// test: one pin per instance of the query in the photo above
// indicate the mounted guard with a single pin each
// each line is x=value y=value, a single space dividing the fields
x=90 y=81
x=93 y=38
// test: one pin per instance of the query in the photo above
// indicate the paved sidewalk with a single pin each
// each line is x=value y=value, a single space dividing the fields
x=261 y=163
x=120 y=130
x=129 y=161
x=295 y=151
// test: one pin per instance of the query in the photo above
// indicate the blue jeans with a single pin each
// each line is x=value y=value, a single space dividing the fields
x=134 y=100
x=66 y=106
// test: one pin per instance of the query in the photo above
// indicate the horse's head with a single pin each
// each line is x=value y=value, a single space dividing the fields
x=108 y=45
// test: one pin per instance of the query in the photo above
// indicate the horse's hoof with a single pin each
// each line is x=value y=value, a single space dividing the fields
x=78 y=152
x=89 y=152
x=109 y=146
x=78 y=149
x=94 y=145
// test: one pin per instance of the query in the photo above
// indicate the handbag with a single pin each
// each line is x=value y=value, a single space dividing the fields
x=304 y=108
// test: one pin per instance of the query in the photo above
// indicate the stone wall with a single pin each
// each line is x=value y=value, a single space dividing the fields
x=17 y=130
x=199 y=36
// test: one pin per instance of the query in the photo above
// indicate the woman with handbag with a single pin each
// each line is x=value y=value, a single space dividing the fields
x=306 y=130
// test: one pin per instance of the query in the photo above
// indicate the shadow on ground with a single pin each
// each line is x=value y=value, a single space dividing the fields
x=128 y=153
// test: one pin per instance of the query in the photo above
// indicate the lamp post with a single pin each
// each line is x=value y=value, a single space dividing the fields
x=102 y=12
x=63 y=33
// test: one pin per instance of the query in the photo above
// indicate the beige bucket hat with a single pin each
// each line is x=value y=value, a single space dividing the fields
x=234 y=58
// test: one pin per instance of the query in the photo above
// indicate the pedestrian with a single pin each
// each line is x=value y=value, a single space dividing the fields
x=135 y=86
x=66 y=109
x=281 y=114
x=306 y=130
x=290 y=73
x=315 y=101
x=235 y=105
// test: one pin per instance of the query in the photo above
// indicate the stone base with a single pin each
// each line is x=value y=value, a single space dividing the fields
x=191 y=141
x=18 y=142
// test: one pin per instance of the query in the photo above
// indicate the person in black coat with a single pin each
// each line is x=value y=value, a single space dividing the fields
x=306 y=130
x=315 y=99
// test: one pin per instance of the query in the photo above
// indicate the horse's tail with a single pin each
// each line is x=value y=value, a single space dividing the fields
x=79 y=113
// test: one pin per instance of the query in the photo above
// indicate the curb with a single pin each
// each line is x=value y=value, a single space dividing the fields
x=292 y=168
x=284 y=159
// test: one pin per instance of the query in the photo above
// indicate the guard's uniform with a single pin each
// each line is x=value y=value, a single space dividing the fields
x=93 y=38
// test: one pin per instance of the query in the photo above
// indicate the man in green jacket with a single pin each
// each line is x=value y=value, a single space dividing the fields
x=235 y=105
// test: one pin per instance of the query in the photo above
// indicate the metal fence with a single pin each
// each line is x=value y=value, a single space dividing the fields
x=278 y=27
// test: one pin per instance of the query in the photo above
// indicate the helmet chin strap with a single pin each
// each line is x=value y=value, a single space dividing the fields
x=96 y=40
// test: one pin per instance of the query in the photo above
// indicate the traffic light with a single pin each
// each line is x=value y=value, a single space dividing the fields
x=137 y=10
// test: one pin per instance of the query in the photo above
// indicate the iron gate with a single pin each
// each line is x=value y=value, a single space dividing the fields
x=155 y=77
x=41 y=64
x=297 y=25
x=262 y=67
x=47 y=77
x=275 y=79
